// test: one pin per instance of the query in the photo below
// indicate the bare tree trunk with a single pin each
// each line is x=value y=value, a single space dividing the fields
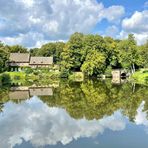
x=133 y=87
x=133 y=67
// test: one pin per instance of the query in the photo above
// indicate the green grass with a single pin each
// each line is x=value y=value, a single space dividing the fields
x=16 y=77
x=23 y=78
x=22 y=75
x=141 y=77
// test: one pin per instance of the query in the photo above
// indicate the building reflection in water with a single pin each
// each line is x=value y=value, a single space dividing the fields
x=22 y=93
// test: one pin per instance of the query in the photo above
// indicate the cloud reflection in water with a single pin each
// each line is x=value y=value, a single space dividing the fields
x=34 y=121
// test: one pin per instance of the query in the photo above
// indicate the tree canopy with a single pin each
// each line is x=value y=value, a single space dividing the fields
x=92 y=54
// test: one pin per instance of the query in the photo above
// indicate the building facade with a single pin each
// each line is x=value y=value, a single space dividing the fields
x=17 y=61
x=40 y=62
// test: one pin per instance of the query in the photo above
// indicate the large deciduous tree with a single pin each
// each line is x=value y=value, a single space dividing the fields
x=94 y=63
x=3 y=58
x=143 y=53
x=17 y=48
x=128 y=55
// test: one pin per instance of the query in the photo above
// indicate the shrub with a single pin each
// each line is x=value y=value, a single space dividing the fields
x=28 y=70
x=64 y=74
x=145 y=71
x=5 y=79
x=108 y=71
x=146 y=79
x=35 y=72
x=16 y=77
x=77 y=76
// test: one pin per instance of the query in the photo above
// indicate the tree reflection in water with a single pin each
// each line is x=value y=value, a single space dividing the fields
x=93 y=99
x=72 y=111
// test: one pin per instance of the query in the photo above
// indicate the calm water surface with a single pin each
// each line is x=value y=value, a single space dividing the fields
x=90 y=114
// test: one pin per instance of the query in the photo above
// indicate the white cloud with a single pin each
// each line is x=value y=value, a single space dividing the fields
x=141 y=117
x=112 y=31
x=26 y=3
x=32 y=39
x=34 y=121
x=113 y=13
x=52 y=19
x=136 y=24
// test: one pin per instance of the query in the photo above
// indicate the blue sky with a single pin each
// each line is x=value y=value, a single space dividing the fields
x=32 y=23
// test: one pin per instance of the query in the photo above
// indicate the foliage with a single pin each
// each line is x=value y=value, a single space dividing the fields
x=141 y=77
x=143 y=54
x=5 y=79
x=17 y=48
x=28 y=70
x=3 y=58
x=108 y=71
x=91 y=54
x=128 y=53
x=94 y=63
x=93 y=99
x=76 y=76
x=49 y=49
x=25 y=78
x=96 y=99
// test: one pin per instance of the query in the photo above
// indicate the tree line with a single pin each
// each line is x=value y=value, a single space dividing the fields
x=91 y=54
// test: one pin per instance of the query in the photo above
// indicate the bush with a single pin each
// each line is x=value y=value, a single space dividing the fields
x=146 y=79
x=64 y=74
x=145 y=71
x=5 y=79
x=28 y=70
x=17 y=77
x=108 y=71
x=35 y=72
x=77 y=76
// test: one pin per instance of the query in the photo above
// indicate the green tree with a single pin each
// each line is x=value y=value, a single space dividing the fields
x=4 y=55
x=75 y=46
x=128 y=55
x=17 y=48
x=34 y=51
x=66 y=60
x=94 y=63
x=143 y=54
x=111 y=53
x=51 y=49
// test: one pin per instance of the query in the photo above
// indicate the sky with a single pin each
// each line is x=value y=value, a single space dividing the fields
x=32 y=23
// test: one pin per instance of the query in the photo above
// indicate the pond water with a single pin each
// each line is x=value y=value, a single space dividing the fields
x=88 y=114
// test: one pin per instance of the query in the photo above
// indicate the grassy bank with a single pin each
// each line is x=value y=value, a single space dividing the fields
x=39 y=76
x=140 y=77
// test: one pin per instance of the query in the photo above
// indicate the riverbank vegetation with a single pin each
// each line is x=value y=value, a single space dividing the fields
x=93 y=55
x=30 y=76
x=141 y=76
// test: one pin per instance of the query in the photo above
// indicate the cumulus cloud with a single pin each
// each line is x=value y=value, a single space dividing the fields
x=141 y=117
x=51 y=19
x=136 y=24
x=112 y=31
x=113 y=13
x=35 y=122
